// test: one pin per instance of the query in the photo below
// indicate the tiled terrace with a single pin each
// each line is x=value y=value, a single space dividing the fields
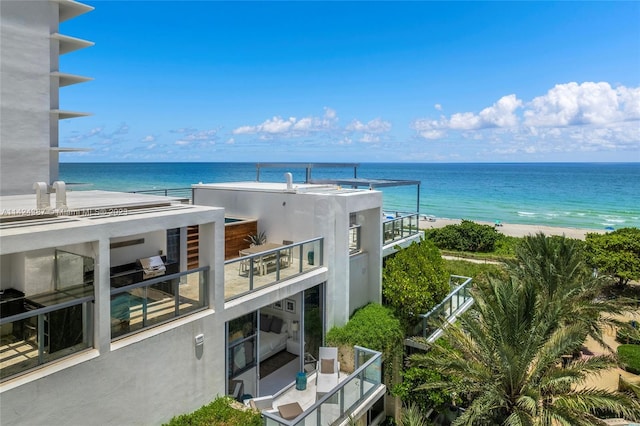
x=333 y=408
x=248 y=273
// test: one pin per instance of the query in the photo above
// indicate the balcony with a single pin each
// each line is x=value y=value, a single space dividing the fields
x=49 y=326
x=262 y=266
x=401 y=231
x=151 y=302
x=354 y=392
x=446 y=312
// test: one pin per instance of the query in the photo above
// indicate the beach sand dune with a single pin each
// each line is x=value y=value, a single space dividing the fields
x=514 y=229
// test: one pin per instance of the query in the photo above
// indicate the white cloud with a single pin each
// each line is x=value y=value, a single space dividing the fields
x=438 y=107
x=290 y=127
x=377 y=125
x=194 y=137
x=570 y=117
x=148 y=138
x=586 y=103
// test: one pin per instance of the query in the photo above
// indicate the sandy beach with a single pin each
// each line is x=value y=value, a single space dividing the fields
x=515 y=229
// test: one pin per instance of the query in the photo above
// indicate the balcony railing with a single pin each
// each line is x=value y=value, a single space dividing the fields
x=186 y=193
x=344 y=399
x=248 y=273
x=446 y=311
x=42 y=335
x=400 y=227
x=157 y=300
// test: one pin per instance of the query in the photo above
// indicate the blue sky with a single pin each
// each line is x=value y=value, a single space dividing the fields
x=355 y=81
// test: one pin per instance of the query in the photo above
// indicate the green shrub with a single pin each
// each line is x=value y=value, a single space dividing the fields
x=424 y=399
x=218 y=413
x=372 y=326
x=467 y=236
x=629 y=356
x=414 y=281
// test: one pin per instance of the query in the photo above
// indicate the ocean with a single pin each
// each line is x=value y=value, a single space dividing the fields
x=575 y=195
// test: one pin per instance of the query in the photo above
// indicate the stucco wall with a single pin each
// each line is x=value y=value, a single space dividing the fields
x=300 y=216
x=24 y=97
x=145 y=382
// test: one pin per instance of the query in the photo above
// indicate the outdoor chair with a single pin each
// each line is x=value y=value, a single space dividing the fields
x=327 y=371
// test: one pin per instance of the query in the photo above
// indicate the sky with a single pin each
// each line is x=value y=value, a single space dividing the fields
x=212 y=81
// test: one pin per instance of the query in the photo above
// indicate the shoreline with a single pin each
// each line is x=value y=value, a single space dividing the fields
x=515 y=229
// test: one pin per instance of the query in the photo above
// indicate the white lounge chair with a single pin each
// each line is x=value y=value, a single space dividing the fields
x=327 y=370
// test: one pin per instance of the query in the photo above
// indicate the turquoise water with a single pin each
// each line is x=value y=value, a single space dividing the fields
x=578 y=195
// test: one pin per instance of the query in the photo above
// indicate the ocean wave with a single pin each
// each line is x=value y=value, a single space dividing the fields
x=613 y=220
x=528 y=214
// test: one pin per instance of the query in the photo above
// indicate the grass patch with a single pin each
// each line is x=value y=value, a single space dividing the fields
x=218 y=413
x=629 y=356
x=478 y=271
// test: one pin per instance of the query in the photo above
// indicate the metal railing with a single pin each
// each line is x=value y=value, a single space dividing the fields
x=341 y=401
x=186 y=193
x=248 y=273
x=39 y=339
x=400 y=227
x=451 y=306
x=157 y=300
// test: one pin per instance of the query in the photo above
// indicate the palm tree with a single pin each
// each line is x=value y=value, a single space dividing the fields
x=557 y=266
x=504 y=358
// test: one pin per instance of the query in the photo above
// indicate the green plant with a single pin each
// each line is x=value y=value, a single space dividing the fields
x=218 y=413
x=629 y=356
x=374 y=327
x=616 y=253
x=412 y=415
x=467 y=236
x=408 y=391
x=629 y=333
x=414 y=281
x=257 y=239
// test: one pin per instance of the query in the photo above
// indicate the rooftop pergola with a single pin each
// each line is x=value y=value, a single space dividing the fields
x=354 y=182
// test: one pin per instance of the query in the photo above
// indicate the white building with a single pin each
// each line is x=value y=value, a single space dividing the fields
x=29 y=80
x=129 y=309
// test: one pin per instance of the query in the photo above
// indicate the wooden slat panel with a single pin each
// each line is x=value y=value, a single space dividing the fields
x=235 y=235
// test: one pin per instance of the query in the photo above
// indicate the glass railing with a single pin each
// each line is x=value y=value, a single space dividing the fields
x=342 y=400
x=354 y=239
x=157 y=300
x=42 y=334
x=258 y=269
x=186 y=193
x=452 y=305
x=398 y=228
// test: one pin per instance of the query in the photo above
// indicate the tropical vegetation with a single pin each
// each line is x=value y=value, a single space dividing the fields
x=466 y=236
x=372 y=326
x=414 y=280
x=220 y=412
x=616 y=254
x=504 y=357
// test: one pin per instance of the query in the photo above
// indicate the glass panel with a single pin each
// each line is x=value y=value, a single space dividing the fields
x=161 y=302
x=41 y=338
x=192 y=292
x=73 y=270
x=156 y=303
x=255 y=270
x=241 y=344
x=352 y=392
x=313 y=329
x=128 y=310
x=18 y=346
x=289 y=262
